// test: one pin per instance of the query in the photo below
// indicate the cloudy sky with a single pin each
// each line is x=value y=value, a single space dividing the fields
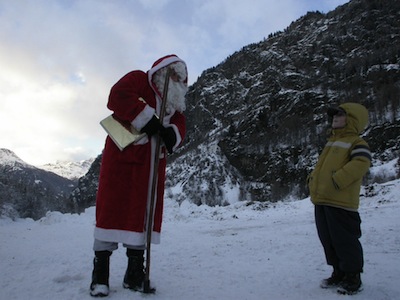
x=59 y=59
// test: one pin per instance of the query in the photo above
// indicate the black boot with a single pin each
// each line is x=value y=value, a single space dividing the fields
x=101 y=272
x=333 y=281
x=351 y=284
x=134 y=275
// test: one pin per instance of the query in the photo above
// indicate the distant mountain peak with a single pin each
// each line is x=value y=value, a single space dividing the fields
x=29 y=192
x=69 y=169
x=8 y=157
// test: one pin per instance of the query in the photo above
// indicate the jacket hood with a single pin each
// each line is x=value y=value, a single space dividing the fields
x=357 y=117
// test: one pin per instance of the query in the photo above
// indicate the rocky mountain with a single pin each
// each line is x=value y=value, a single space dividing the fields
x=262 y=111
x=29 y=192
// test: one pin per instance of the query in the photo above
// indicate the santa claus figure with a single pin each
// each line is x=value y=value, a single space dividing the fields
x=124 y=192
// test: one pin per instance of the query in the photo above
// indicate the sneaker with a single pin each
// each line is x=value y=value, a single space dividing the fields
x=351 y=284
x=333 y=281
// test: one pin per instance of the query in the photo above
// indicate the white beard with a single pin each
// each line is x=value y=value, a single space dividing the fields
x=176 y=89
x=176 y=97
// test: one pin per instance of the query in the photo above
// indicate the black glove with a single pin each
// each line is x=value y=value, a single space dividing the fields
x=169 y=137
x=152 y=127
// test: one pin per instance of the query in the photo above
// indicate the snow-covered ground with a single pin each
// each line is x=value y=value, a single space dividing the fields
x=242 y=251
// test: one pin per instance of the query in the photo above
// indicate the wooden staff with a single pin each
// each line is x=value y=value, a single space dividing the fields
x=146 y=283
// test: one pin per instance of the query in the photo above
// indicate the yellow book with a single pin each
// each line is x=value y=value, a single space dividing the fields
x=120 y=135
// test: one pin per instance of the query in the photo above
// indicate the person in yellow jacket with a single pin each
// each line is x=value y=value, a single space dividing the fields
x=334 y=186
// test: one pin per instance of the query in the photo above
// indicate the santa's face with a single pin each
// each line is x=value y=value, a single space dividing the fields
x=176 y=94
x=174 y=76
x=177 y=87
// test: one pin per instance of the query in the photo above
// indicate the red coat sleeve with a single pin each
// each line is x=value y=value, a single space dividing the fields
x=124 y=96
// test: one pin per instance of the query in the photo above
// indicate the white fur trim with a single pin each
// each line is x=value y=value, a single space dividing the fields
x=178 y=136
x=167 y=118
x=124 y=236
x=145 y=116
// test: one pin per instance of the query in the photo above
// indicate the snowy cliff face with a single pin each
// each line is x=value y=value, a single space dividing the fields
x=265 y=105
x=26 y=191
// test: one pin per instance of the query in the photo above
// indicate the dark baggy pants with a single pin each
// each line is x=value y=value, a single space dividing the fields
x=339 y=232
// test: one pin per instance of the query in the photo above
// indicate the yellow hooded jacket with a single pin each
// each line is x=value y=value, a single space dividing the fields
x=346 y=158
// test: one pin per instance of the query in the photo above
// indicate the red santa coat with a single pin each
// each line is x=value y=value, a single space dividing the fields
x=123 y=195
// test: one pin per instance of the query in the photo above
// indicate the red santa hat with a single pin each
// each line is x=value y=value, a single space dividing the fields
x=162 y=63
